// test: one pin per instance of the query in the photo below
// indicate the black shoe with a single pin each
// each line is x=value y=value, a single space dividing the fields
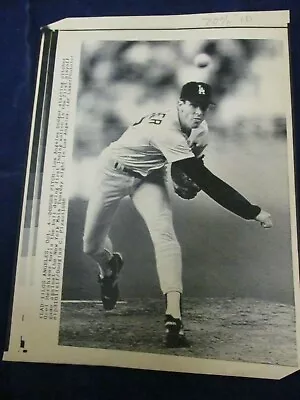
x=109 y=284
x=175 y=336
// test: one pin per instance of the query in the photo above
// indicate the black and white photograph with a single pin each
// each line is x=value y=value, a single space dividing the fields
x=180 y=209
x=163 y=233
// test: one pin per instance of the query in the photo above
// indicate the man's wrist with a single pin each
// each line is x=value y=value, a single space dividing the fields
x=254 y=212
x=265 y=219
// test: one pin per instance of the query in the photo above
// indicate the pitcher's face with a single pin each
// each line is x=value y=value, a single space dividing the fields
x=190 y=115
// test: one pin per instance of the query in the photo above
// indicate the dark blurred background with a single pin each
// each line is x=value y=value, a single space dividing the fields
x=222 y=254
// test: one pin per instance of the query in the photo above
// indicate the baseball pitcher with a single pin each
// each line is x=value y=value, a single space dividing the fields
x=135 y=166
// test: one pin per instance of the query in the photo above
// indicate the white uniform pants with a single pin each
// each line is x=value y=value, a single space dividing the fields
x=151 y=199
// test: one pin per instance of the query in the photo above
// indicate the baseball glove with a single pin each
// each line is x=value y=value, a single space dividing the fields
x=183 y=185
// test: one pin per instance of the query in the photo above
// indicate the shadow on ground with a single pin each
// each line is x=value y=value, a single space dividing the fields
x=224 y=329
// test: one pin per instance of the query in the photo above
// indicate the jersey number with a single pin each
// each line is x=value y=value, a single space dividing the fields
x=155 y=118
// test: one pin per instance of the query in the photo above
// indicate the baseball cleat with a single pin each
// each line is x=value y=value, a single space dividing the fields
x=175 y=336
x=109 y=284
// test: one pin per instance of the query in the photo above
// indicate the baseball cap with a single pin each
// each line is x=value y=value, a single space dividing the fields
x=197 y=92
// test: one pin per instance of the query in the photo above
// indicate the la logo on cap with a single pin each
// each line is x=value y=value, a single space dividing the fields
x=201 y=89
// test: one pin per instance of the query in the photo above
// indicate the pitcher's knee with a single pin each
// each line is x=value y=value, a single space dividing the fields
x=164 y=236
x=166 y=243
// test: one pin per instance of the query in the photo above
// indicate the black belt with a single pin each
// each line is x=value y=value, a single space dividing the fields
x=120 y=167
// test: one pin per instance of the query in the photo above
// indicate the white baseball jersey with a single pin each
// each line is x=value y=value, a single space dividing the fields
x=155 y=141
x=147 y=145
